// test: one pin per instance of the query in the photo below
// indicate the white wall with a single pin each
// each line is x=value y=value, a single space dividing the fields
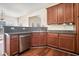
x=34 y=21
x=23 y=21
x=11 y=21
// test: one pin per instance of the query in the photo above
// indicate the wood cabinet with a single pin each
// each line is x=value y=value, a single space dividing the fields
x=67 y=42
x=14 y=44
x=39 y=38
x=77 y=43
x=61 y=10
x=68 y=13
x=62 y=41
x=11 y=45
x=77 y=27
x=53 y=40
x=75 y=14
x=52 y=15
x=35 y=39
x=61 y=13
x=76 y=18
x=43 y=37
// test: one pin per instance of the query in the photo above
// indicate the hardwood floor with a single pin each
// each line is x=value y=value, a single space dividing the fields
x=45 y=52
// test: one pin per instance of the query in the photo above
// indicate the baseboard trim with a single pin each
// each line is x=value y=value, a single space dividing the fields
x=39 y=46
x=63 y=50
x=55 y=49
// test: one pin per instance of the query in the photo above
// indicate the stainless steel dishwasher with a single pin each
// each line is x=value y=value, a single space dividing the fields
x=24 y=42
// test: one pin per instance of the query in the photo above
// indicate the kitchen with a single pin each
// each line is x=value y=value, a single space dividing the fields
x=45 y=29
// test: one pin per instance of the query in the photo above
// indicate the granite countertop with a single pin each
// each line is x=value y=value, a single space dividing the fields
x=62 y=31
x=51 y=31
x=19 y=33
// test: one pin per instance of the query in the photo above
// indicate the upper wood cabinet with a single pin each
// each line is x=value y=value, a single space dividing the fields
x=68 y=13
x=61 y=13
x=52 y=15
x=76 y=16
x=75 y=13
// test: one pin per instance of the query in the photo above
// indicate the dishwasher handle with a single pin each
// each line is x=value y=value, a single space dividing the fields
x=24 y=35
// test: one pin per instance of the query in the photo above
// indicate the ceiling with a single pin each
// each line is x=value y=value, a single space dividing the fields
x=20 y=9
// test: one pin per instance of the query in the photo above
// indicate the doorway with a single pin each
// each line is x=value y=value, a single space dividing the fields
x=34 y=21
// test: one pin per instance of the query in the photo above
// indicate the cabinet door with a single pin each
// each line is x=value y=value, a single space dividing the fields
x=68 y=13
x=52 y=15
x=45 y=39
x=61 y=8
x=42 y=40
x=38 y=39
x=14 y=44
x=76 y=18
x=67 y=42
x=35 y=39
x=75 y=13
x=77 y=48
x=77 y=43
x=53 y=40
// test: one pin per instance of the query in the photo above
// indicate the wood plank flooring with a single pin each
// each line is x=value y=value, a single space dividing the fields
x=45 y=52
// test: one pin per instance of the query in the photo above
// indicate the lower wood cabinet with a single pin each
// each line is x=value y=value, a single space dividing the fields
x=11 y=44
x=53 y=40
x=38 y=39
x=14 y=44
x=43 y=37
x=77 y=43
x=35 y=40
x=67 y=42
x=63 y=41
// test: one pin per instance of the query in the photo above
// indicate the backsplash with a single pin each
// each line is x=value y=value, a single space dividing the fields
x=61 y=27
